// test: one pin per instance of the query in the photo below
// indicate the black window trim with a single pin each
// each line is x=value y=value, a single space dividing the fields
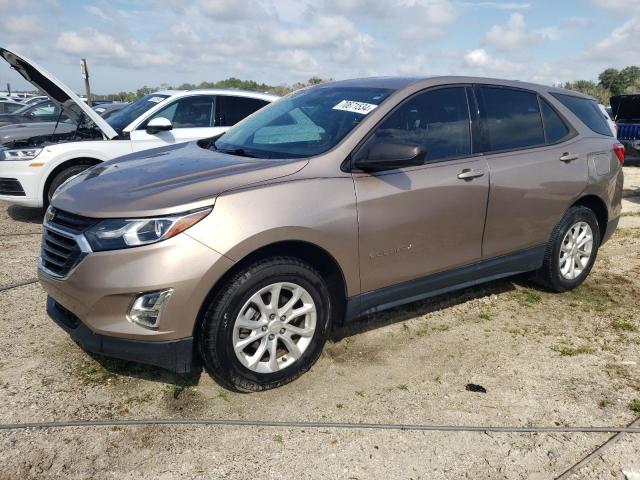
x=347 y=164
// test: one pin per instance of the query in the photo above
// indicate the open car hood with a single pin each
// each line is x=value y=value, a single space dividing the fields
x=625 y=107
x=57 y=91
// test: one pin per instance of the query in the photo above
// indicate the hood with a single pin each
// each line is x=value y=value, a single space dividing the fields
x=625 y=107
x=164 y=180
x=58 y=92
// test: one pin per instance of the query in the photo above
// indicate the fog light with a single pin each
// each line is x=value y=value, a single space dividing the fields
x=147 y=308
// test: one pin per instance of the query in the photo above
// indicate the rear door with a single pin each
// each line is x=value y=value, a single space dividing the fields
x=537 y=166
x=192 y=117
x=421 y=220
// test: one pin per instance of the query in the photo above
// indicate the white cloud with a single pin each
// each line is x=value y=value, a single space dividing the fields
x=618 y=45
x=499 y=5
x=619 y=6
x=513 y=36
x=480 y=61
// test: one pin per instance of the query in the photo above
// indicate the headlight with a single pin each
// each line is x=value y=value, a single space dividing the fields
x=21 y=154
x=114 y=234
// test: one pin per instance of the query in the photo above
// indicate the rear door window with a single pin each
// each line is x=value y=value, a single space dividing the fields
x=230 y=110
x=587 y=111
x=510 y=119
x=554 y=127
x=436 y=120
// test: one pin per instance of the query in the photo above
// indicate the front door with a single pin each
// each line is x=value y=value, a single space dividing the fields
x=421 y=220
x=192 y=118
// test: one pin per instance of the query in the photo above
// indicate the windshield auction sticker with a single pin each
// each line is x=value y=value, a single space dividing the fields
x=355 y=107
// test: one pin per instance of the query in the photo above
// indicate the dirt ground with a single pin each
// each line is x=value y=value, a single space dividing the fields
x=545 y=360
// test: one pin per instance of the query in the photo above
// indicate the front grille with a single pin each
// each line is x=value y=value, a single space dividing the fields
x=59 y=253
x=11 y=186
x=69 y=221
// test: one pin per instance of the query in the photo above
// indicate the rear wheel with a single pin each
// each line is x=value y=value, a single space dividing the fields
x=571 y=251
x=267 y=325
x=61 y=177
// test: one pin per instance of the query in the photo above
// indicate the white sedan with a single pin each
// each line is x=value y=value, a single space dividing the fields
x=31 y=170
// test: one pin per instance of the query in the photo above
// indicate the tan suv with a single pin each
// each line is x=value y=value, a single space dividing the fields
x=334 y=202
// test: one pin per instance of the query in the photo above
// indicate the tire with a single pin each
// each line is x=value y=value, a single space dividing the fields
x=61 y=177
x=249 y=292
x=555 y=274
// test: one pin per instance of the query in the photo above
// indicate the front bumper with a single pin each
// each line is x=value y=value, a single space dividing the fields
x=91 y=303
x=28 y=178
x=174 y=355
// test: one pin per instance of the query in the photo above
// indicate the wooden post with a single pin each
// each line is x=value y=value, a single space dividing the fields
x=85 y=75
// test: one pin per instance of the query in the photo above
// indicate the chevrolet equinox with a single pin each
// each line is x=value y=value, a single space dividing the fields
x=242 y=251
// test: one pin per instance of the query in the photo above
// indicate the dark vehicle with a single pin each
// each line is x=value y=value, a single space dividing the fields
x=9 y=106
x=45 y=111
x=109 y=108
x=626 y=114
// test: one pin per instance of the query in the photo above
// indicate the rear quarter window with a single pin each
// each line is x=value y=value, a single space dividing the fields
x=554 y=126
x=587 y=111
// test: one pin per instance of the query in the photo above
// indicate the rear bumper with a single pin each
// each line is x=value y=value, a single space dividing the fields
x=611 y=227
x=174 y=355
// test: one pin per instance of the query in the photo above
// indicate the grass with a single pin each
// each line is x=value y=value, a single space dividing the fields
x=484 y=316
x=440 y=328
x=568 y=351
x=623 y=326
x=530 y=298
x=360 y=393
x=403 y=387
x=634 y=405
x=339 y=405
x=93 y=373
x=278 y=439
x=139 y=399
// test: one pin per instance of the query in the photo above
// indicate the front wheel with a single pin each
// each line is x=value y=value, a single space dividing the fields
x=266 y=326
x=571 y=251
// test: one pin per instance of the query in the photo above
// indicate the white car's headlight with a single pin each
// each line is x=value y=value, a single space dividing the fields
x=20 y=153
x=114 y=234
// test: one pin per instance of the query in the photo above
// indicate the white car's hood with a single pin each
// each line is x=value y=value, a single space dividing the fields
x=57 y=91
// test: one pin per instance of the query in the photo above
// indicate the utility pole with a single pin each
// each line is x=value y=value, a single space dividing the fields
x=85 y=75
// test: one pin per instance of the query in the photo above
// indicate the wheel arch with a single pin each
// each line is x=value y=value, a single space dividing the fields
x=89 y=161
x=306 y=251
x=598 y=207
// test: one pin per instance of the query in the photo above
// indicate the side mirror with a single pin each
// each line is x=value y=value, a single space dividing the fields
x=389 y=156
x=159 y=124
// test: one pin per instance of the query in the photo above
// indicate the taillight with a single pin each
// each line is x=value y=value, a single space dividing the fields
x=618 y=149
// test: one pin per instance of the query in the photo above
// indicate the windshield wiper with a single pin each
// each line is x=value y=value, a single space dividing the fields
x=239 y=152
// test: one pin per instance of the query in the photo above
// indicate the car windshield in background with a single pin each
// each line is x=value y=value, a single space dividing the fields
x=128 y=114
x=303 y=124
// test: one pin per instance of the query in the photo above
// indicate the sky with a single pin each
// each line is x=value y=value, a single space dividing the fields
x=132 y=43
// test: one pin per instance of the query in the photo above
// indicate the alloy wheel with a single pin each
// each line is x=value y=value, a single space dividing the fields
x=274 y=327
x=576 y=250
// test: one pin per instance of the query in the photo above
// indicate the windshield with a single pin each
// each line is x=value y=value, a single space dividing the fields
x=120 y=119
x=27 y=108
x=303 y=124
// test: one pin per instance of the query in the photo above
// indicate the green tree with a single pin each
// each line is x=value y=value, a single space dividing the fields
x=600 y=93
x=611 y=80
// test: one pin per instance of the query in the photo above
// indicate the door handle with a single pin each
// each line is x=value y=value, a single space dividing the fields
x=569 y=157
x=468 y=174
